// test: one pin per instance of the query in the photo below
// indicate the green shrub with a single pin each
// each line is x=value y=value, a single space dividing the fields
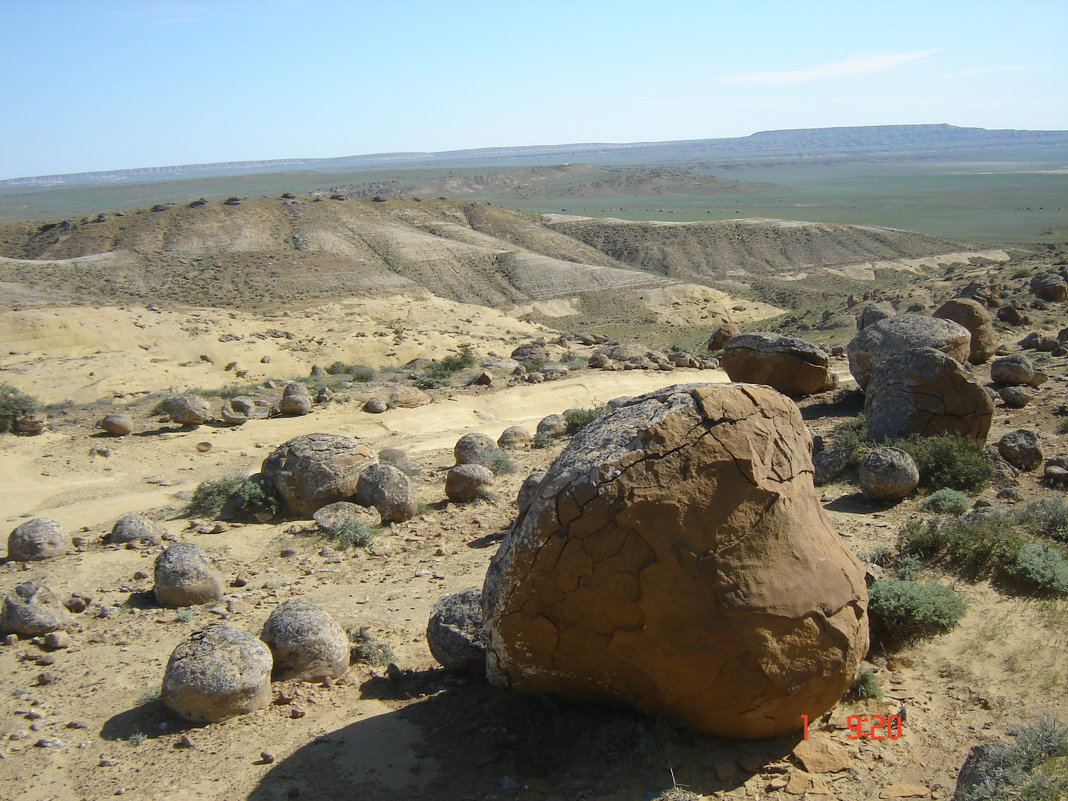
x=866 y=686
x=947 y=502
x=14 y=404
x=542 y=440
x=1046 y=517
x=451 y=365
x=1038 y=567
x=348 y=531
x=950 y=462
x=211 y=496
x=256 y=499
x=907 y=610
x=357 y=372
x=498 y=461
x=908 y=567
x=976 y=545
x=432 y=382
x=851 y=439
x=534 y=365
x=577 y=419
x=1015 y=772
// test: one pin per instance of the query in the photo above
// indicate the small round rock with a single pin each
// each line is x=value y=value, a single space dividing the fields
x=473 y=448
x=218 y=672
x=468 y=482
x=513 y=437
x=455 y=632
x=888 y=474
x=38 y=539
x=118 y=425
x=31 y=610
x=306 y=643
x=1021 y=448
x=185 y=576
x=133 y=526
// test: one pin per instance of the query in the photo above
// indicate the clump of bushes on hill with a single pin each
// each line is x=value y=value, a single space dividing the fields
x=904 y=610
x=14 y=404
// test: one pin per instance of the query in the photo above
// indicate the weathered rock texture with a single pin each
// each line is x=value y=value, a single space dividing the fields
x=306 y=643
x=1015 y=370
x=31 y=610
x=790 y=365
x=924 y=391
x=118 y=425
x=721 y=335
x=887 y=474
x=38 y=539
x=388 y=490
x=187 y=410
x=891 y=336
x=972 y=315
x=1050 y=286
x=1021 y=448
x=185 y=576
x=677 y=559
x=313 y=470
x=468 y=482
x=219 y=672
x=455 y=633
x=474 y=448
x=295 y=399
x=134 y=526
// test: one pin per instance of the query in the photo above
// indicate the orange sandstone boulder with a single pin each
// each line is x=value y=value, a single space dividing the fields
x=676 y=558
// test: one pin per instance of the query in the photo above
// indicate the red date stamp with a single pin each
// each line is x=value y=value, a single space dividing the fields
x=864 y=727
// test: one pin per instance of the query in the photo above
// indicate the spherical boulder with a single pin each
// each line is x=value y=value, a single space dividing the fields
x=553 y=426
x=1050 y=286
x=133 y=526
x=400 y=460
x=118 y=425
x=389 y=491
x=33 y=609
x=720 y=336
x=677 y=559
x=38 y=539
x=1017 y=396
x=455 y=633
x=468 y=482
x=513 y=437
x=305 y=642
x=926 y=392
x=887 y=474
x=1021 y=448
x=217 y=673
x=1015 y=370
x=313 y=470
x=187 y=410
x=375 y=406
x=474 y=448
x=972 y=315
x=295 y=400
x=186 y=576
x=790 y=365
x=891 y=336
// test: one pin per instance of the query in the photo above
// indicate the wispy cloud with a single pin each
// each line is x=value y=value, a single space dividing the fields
x=986 y=70
x=854 y=65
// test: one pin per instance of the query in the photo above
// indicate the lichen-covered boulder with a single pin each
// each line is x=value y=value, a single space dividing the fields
x=33 y=609
x=972 y=315
x=1016 y=370
x=468 y=482
x=186 y=576
x=1050 y=286
x=218 y=672
x=887 y=474
x=676 y=558
x=389 y=491
x=305 y=642
x=528 y=488
x=474 y=448
x=295 y=400
x=553 y=426
x=187 y=410
x=790 y=365
x=312 y=470
x=133 y=526
x=513 y=437
x=38 y=539
x=1021 y=448
x=455 y=634
x=924 y=391
x=888 y=337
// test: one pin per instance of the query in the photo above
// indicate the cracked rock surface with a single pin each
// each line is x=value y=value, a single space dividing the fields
x=313 y=470
x=790 y=365
x=879 y=341
x=676 y=559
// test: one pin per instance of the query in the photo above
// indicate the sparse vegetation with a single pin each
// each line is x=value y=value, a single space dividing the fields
x=498 y=461
x=949 y=462
x=450 y=365
x=255 y=499
x=184 y=614
x=1038 y=567
x=348 y=532
x=211 y=496
x=866 y=685
x=946 y=502
x=136 y=738
x=354 y=372
x=541 y=440
x=13 y=404
x=370 y=650
x=976 y=546
x=905 y=610
x=1032 y=768
x=851 y=439
x=577 y=419
x=1046 y=517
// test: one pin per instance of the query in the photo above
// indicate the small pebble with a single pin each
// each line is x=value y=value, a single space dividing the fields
x=48 y=742
x=107 y=763
x=268 y=758
x=46 y=678
x=287 y=553
x=45 y=660
x=184 y=742
x=296 y=712
x=55 y=640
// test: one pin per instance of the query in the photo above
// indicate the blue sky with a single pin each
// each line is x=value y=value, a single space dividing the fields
x=112 y=84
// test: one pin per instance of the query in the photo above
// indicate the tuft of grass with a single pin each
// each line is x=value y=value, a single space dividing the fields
x=534 y=365
x=908 y=610
x=498 y=461
x=184 y=614
x=542 y=440
x=577 y=419
x=1046 y=517
x=149 y=696
x=13 y=404
x=351 y=532
x=450 y=365
x=946 y=502
x=949 y=462
x=370 y=650
x=355 y=372
x=866 y=686
x=1038 y=567
x=211 y=496
x=136 y=738
x=256 y=499
x=1032 y=768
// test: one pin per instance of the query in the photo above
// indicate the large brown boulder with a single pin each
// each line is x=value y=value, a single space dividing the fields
x=313 y=470
x=720 y=336
x=1050 y=286
x=924 y=391
x=888 y=337
x=788 y=364
x=972 y=315
x=676 y=558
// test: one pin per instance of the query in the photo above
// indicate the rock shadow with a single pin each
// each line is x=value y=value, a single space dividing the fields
x=147 y=721
x=464 y=739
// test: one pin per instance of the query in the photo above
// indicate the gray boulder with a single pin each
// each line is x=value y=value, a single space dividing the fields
x=554 y=426
x=887 y=474
x=513 y=437
x=306 y=643
x=187 y=410
x=389 y=491
x=455 y=633
x=1021 y=448
x=38 y=539
x=1050 y=286
x=468 y=482
x=891 y=336
x=217 y=673
x=873 y=313
x=295 y=400
x=312 y=470
x=1017 y=396
x=926 y=392
x=33 y=609
x=400 y=460
x=186 y=576
x=1015 y=370
x=529 y=487
x=118 y=425
x=787 y=364
x=241 y=409
x=133 y=526
x=474 y=448
x=330 y=517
